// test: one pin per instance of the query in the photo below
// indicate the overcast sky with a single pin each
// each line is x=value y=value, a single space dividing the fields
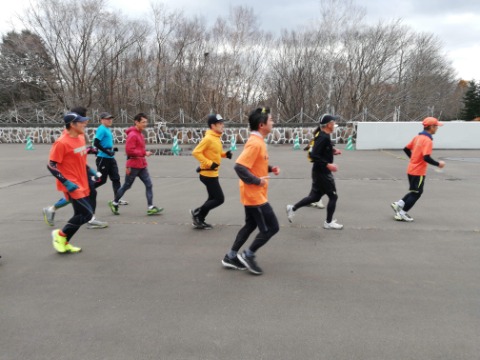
x=456 y=23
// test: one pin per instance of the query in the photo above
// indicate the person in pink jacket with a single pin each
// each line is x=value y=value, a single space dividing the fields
x=136 y=165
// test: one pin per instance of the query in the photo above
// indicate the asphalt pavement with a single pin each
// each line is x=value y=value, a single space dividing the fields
x=154 y=287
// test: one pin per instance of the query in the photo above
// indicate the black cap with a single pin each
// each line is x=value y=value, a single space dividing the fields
x=106 y=115
x=74 y=117
x=326 y=118
x=213 y=119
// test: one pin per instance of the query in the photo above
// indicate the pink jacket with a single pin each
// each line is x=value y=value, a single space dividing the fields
x=135 y=149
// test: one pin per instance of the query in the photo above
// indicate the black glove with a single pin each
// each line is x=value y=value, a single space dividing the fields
x=115 y=149
x=92 y=150
x=198 y=169
x=228 y=154
x=213 y=166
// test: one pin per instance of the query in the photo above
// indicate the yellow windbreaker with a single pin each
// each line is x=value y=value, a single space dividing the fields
x=209 y=151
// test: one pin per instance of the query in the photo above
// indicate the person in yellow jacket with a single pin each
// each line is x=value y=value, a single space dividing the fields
x=209 y=152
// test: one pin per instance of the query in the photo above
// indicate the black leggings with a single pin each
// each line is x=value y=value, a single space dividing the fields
x=93 y=195
x=322 y=184
x=215 y=196
x=416 y=190
x=262 y=217
x=109 y=169
x=82 y=213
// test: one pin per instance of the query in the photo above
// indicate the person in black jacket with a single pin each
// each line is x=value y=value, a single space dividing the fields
x=105 y=161
x=323 y=183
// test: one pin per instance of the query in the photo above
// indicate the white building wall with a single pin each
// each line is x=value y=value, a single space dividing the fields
x=395 y=135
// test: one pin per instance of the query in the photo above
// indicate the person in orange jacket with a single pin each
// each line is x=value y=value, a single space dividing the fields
x=209 y=153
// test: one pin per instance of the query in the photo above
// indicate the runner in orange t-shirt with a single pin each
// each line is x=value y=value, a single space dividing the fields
x=419 y=150
x=68 y=164
x=49 y=211
x=252 y=168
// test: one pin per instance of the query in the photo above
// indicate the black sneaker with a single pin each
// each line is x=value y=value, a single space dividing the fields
x=206 y=226
x=196 y=220
x=233 y=263
x=250 y=263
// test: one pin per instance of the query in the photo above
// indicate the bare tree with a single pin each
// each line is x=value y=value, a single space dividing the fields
x=298 y=70
x=83 y=38
x=168 y=62
x=238 y=65
x=370 y=64
x=429 y=77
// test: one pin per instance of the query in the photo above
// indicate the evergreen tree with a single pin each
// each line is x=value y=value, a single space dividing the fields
x=471 y=102
x=26 y=76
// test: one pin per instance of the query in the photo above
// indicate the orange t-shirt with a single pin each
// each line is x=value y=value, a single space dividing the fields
x=70 y=154
x=420 y=146
x=255 y=158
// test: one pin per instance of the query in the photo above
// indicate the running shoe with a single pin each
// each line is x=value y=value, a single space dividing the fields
x=290 y=213
x=403 y=216
x=397 y=208
x=154 y=210
x=122 y=202
x=332 y=225
x=206 y=226
x=113 y=207
x=72 y=249
x=49 y=216
x=250 y=263
x=233 y=263
x=96 y=224
x=58 y=241
x=195 y=219
x=318 y=205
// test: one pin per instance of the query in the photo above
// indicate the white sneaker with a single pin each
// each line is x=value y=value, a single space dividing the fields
x=290 y=213
x=403 y=216
x=318 y=204
x=332 y=225
x=49 y=216
x=96 y=224
x=397 y=208
x=122 y=202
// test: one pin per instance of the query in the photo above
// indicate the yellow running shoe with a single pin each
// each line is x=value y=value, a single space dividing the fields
x=154 y=210
x=58 y=241
x=72 y=249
